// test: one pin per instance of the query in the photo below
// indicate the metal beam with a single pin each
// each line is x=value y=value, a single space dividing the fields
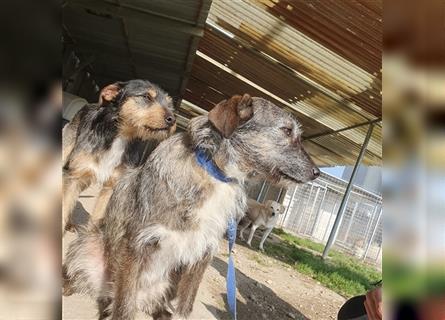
x=128 y=47
x=322 y=134
x=341 y=209
x=193 y=46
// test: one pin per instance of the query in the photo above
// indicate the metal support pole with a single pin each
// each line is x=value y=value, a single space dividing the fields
x=372 y=235
x=351 y=220
x=317 y=219
x=303 y=212
x=261 y=191
x=289 y=205
x=265 y=192
x=368 y=226
x=330 y=219
x=344 y=201
x=279 y=194
x=378 y=254
x=312 y=211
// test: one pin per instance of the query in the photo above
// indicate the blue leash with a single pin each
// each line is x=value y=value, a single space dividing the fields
x=205 y=161
x=231 y=279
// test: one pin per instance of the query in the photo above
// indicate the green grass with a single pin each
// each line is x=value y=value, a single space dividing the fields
x=411 y=282
x=341 y=273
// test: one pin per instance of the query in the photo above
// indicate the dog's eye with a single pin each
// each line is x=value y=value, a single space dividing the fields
x=287 y=131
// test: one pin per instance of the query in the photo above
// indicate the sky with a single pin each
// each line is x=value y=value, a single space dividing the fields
x=334 y=171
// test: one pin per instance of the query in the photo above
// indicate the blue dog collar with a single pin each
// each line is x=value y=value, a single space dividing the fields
x=209 y=165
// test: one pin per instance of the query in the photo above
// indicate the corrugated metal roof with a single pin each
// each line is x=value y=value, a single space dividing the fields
x=320 y=60
x=326 y=73
x=276 y=37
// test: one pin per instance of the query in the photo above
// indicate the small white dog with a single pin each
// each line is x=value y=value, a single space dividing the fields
x=259 y=214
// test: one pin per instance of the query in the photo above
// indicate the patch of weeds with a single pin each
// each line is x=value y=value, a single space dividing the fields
x=341 y=273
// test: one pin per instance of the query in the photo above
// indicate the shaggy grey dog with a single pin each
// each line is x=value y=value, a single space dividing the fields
x=165 y=220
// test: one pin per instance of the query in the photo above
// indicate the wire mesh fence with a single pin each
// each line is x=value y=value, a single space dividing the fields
x=311 y=210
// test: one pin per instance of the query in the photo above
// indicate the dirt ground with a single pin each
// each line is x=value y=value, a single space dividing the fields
x=267 y=288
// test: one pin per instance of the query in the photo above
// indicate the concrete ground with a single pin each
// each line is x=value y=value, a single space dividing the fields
x=267 y=288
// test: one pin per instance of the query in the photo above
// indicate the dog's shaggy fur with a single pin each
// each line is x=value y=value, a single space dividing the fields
x=101 y=140
x=165 y=220
x=260 y=214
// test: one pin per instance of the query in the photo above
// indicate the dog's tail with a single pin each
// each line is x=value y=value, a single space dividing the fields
x=84 y=267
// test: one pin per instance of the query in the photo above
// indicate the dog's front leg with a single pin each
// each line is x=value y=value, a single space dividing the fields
x=105 y=194
x=72 y=187
x=263 y=239
x=101 y=203
x=252 y=231
x=188 y=287
x=124 y=304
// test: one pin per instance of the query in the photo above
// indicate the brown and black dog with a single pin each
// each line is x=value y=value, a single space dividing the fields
x=102 y=139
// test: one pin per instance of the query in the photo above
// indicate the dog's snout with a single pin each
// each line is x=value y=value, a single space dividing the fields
x=170 y=119
x=315 y=172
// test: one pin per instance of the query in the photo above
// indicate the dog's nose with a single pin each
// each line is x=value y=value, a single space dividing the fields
x=316 y=172
x=170 y=119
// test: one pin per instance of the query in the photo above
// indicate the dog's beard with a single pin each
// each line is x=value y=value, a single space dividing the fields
x=282 y=179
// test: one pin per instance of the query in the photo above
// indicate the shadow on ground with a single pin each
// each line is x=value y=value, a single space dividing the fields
x=261 y=301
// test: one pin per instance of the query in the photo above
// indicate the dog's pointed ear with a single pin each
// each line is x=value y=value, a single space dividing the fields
x=108 y=93
x=228 y=115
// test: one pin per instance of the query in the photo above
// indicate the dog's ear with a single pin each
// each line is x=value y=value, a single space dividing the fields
x=228 y=115
x=283 y=209
x=108 y=93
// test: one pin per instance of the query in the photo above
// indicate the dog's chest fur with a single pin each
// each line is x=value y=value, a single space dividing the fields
x=270 y=221
x=186 y=247
x=110 y=159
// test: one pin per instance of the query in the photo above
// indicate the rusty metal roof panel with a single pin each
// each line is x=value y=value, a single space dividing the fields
x=354 y=26
x=276 y=37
